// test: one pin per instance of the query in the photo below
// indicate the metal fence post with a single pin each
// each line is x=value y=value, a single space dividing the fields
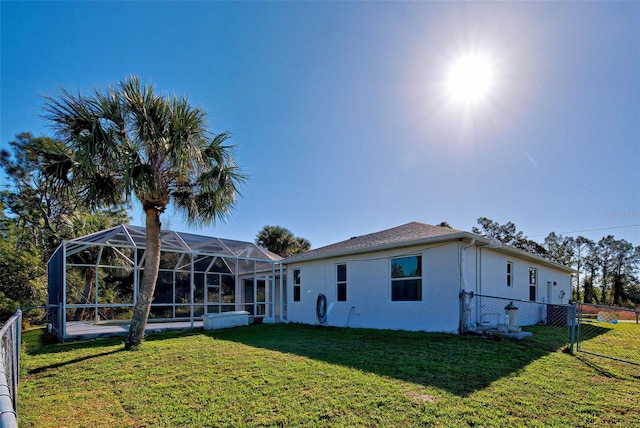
x=579 y=321
x=572 y=327
x=462 y=314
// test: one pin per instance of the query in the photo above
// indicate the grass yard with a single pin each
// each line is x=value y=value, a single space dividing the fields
x=615 y=340
x=294 y=375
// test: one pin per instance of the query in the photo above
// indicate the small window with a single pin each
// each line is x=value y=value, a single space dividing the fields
x=533 y=281
x=406 y=279
x=509 y=274
x=296 y=285
x=341 y=280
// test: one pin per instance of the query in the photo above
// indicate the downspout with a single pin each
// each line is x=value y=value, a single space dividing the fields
x=479 y=272
x=282 y=314
x=461 y=268
x=461 y=262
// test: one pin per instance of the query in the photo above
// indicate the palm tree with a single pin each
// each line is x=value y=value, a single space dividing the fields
x=126 y=141
x=281 y=241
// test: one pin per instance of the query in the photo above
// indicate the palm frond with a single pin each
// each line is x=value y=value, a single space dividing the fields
x=130 y=140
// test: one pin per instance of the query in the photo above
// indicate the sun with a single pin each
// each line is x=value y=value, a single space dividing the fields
x=470 y=79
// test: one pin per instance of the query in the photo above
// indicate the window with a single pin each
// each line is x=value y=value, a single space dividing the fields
x=341 y=279
x=296 y=285
x=533 y=281
x=406 y=279
x=509 y=274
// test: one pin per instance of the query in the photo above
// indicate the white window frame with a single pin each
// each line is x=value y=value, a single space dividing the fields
x=533 y=286
x=392 y=279
x=338 y=282
x=297 y=283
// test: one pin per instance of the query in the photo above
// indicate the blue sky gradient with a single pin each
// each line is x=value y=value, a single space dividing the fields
x=339 y=113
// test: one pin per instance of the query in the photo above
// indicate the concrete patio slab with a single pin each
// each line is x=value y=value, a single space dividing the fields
x=92 y=330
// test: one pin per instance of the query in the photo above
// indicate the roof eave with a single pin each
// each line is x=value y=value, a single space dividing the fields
x=525 y=255
x=479 y=240
x=411 y=243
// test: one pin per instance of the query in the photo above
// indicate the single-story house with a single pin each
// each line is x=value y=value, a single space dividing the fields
x=411 y=277
x=408 y=277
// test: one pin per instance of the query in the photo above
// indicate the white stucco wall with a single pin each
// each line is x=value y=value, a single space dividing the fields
x=369 y=303
x=553 y=286
x=493 y=278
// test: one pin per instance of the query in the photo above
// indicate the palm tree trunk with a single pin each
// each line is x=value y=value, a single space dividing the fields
x=149 y=279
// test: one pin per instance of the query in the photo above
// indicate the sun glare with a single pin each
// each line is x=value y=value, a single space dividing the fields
x=470 y=79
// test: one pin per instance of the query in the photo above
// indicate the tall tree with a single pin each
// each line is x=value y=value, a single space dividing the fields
x=508 y=234
x=581 y=247
x=281 y=241
x=37 y=214
x=22 y=273
x=128 y=141
x=592 y=269
x=623 y=264
x=35 y=202
x=560 y=249
x=605 y=249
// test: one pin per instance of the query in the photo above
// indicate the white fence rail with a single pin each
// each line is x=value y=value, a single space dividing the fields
x=10 y=370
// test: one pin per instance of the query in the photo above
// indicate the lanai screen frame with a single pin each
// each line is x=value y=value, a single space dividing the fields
x=126 y=238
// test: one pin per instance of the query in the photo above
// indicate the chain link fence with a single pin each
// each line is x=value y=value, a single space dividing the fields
x=547 y=325
x=604 y=331
x=608 y=332
x=10 y=370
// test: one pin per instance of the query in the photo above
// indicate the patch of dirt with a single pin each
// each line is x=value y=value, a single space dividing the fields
x=427 y=398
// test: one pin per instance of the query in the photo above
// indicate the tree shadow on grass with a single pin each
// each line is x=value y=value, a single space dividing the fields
x=610 y=368
x=37 y=342
x=461 y=365
x=42 y=369
x=610 y=349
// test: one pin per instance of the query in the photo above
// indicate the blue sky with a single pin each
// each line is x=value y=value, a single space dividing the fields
x=339 y=113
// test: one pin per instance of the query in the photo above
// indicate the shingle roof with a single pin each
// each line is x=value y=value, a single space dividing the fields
x=405 y=234
x=411 y=234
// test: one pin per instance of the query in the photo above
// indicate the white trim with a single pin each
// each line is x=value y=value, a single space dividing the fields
x=391 y=279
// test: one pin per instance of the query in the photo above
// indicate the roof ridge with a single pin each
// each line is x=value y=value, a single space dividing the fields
x=412 y=231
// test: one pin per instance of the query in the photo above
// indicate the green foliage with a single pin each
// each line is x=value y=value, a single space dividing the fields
x=34 y=203
x=293 y=375
x=38 y=212
x=611 y=268
x=608 y=269
x=22 y=275
x=281 y=241
x=127 y=141
x=509 y=235
x=560 y=249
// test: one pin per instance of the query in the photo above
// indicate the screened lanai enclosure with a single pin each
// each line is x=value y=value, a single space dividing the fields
x=94 y=280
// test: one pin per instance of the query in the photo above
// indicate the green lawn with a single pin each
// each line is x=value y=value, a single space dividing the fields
x=293 y=375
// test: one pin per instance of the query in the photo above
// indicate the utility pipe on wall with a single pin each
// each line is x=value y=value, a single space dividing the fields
x=461 y=262
x=461 y=268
